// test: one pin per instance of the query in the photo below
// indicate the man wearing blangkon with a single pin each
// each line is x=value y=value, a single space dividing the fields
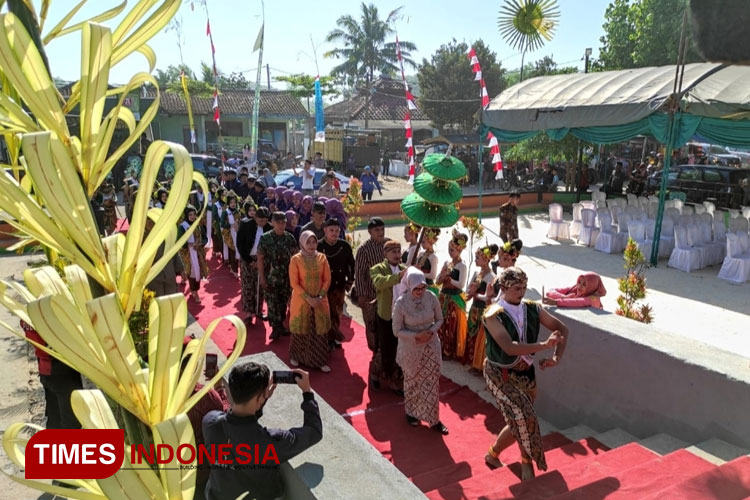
x=250 y=386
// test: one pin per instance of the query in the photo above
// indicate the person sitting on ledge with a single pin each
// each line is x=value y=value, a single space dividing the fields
x=251 y=386
x=587 y=292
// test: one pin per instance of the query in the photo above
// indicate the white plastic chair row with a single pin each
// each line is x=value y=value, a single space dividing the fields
x=558 y=228
x=589 y=231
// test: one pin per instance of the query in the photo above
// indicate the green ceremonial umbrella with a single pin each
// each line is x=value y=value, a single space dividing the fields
x=438 y=191
x=426 y=214
x=444 y=167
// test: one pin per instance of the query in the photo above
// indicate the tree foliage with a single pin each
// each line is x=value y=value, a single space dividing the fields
x=172 y=74
x=303 y=86
x=633 y=286
x=234 y=80
x=542 y=147
x=642 y=33
x=542 y=67
x=365 y=50
x=448 y=77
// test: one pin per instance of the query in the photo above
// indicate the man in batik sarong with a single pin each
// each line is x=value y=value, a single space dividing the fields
x=275 y=251
x=230 y=223
x=512 y=340
x=248 y=242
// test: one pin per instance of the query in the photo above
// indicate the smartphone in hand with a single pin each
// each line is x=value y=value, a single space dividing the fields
x=212 y=364
x=285 y=377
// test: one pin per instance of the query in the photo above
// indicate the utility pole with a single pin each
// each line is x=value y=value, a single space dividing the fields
x=268 y=76
x=579 y=163
x=586 y=64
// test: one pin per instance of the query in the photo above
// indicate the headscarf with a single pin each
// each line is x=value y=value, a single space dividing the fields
x=302 y=209
x=297 y=198
x=270 y=192
x=335 y=209
x=415 y=278
x=290 y=214
x=304 y=237
x=280 y=192
x=594 y=286
x=288 y=196
x=322 y=199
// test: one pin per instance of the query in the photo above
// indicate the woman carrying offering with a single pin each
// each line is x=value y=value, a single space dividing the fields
x=452 y=277
x=587 y=292
x=416 y=320
x=480 y=290
x=193 y=253
x=512 y=341
x=230 y=223
x=309 y=314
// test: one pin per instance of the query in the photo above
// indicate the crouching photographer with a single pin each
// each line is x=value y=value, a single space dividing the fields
x=256 y=453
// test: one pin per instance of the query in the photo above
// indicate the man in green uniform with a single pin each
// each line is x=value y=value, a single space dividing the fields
x=275 y=250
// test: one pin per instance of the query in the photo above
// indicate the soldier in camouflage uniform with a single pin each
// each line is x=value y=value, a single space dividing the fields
x=509 y=217
x=275 y=250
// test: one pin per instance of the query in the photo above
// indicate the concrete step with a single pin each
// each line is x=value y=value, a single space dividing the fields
x=663 y=443
x=717 y=451
x=579 y=432
x=730 y=481
x=614 y=438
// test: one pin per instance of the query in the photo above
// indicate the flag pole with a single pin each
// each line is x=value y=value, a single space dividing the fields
x=256 y=93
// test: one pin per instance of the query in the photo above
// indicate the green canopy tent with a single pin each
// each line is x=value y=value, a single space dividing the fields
x=614 y=106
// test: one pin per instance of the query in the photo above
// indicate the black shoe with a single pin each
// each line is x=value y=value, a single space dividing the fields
x=414 y=422
x=274 y=335
x=374 y=383
x=440 y=428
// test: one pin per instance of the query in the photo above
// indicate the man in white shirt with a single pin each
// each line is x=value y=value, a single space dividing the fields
x=308 y=176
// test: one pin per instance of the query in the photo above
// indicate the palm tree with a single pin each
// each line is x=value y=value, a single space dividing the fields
x=365 y=50
x=526 y=24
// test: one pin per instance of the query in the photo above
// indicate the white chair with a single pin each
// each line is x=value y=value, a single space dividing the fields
x=736 y=265
x=614 y=211
x=622 y=231
x=738 y=225
x=558 y=228
x=588 y=229
x=588 y=204
x=695 y=240
x=716 y=249
x=672 y=213
x=601 y=204
x=720 y=231
x=632 y=200
x=666 y=238
x=746 y=212
x=699 y=209
x=678 y=204
x=734 y=213
x=598 y=196
x=637 y=233
x=684 y=257
x=653 y=208
x=575 y=226
x=721 y=215
x=602 y=212
x=684 y=220
x=688 y=210
x=643 y=202
x=668 y=203
x=710 y=207
x=706 y=218
x=612 y=202
x=607 y=240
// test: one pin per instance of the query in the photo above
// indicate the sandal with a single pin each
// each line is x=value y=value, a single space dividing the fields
x=493 y=462
x=440 y=428
x=325 y=369
x=294 y=362
x=414 y=422
x=527 y=469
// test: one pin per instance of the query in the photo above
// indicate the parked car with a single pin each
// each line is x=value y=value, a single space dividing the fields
x=725 y=160
x=266 y=149
x=701 y=182
x=287 y=177
x=209 y=166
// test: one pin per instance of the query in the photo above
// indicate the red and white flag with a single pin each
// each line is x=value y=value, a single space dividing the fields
x=217 y=113
x=410 y=105
x=497 y=160
x=477 y=70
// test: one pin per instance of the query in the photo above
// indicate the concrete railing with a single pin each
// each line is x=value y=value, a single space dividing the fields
x=617 y=372
x=343 y=464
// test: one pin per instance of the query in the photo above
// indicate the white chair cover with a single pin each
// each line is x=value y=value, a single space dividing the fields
x=733 y=213
x=720 y=215
x=736 y=265
x=589 y=231
x=643 y=202
x=601 y=212
x=744 y=244
x=601 y=204
x=588 y=204
x=632 y=200
x=746 y=212
x=720 y=231
x=678 y=204
x=710 y=207
x=715 y=254
x=614 y=211
x=706 y=218
x=653 y=208
x=598 y=196
x=684 y=220
x=558 y=228
x=672 y=213
x=684 y=257
x=622 y=231
x=669 y=204
x=666 y=238
x=695 y=240
x=607 y=240
x=612 y=202
x=688 y=210
x=575 y=226
x=699 y=209
x=738 y=225
x=637 y=232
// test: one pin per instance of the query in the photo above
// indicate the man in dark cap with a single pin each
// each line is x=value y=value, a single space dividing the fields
x=341 y=261
x=509 y=217
x=369 y=253
x=317 y=223
x=275 y=250
x=244 y=186
x=385 y=275
x=258 y=192
x=230 y=180
x=248 y=241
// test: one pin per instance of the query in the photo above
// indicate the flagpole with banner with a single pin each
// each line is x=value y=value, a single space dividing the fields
x=256 y=94
x=320 y=122
x=217 y=110
x=408 y=131
x=183 y=79
x=485 y=101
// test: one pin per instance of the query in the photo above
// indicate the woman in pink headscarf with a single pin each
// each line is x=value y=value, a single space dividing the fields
x=587 y=292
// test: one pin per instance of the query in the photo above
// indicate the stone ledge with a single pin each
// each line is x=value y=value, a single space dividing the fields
x=343 y=464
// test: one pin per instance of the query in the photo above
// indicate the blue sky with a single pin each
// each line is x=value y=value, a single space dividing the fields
x=289 y=25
